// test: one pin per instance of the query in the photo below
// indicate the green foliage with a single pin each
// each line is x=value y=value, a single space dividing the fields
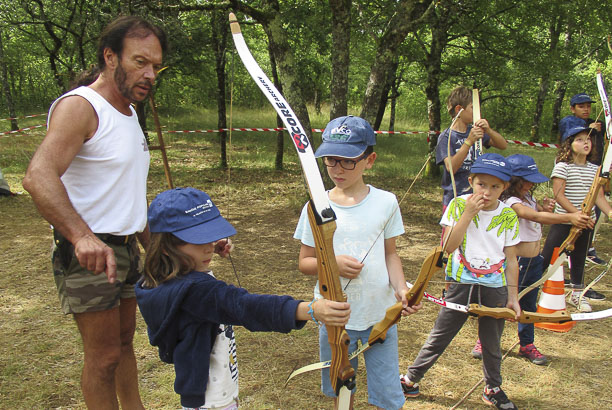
x=504 y=48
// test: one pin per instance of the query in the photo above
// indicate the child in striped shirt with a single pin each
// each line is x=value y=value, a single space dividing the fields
x=572 y=177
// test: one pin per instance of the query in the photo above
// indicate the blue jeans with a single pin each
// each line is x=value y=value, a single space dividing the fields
x=382 y=366
x=530 y=271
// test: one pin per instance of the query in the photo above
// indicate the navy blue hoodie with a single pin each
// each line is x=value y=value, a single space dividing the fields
x=182 y=317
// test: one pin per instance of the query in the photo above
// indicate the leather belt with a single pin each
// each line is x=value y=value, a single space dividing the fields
x=117 y=240
x=114 y=239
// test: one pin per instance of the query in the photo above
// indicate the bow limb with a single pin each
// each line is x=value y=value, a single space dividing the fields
x=549 y=272
x=321 y=216
x=431 y=265
x=378 y=334
x=526 y=317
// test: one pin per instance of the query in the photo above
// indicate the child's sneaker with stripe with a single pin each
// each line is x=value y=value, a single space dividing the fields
x=410 y=389
x=495 y=396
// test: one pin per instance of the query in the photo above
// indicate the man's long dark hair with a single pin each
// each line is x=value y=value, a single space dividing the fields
x=112 y=37
x=126 y=27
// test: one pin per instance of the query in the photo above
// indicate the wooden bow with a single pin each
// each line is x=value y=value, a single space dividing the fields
x=475 y=309
x=320 y=214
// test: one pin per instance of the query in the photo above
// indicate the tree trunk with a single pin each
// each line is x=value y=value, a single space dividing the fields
x=554 y=31
x=433 y=63
x=278 y=161
x=384 y=97
x=537 y=115
x=403 y=20
x=560 y=89
x=394 y=95
x=219 y=39
x=285 y=61
x=340 y=57
x=6 y=89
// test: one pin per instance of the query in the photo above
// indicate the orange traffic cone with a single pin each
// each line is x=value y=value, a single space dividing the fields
x=552 y=298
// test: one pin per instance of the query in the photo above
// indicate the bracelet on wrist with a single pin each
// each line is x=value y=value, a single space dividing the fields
x=311 y=311
x=466 y=142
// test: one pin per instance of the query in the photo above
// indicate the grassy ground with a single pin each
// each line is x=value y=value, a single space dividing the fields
x=40 y=352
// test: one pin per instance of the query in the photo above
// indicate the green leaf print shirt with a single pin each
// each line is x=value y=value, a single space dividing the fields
x=480 y=258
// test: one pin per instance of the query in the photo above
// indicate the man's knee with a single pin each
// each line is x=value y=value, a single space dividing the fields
x=103 y=362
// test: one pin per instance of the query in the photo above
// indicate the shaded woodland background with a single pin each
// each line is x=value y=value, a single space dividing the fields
x=339 y=56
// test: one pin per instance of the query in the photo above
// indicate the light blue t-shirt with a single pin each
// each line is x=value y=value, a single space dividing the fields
x=358 y=229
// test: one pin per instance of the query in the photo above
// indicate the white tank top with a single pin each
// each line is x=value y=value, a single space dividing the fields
x=107 y=179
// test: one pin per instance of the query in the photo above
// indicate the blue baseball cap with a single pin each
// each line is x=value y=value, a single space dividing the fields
x=346 y=137
x=570 y=126
x=525 y=167
x=492 y=164
x=580 y=99
x=190 y=215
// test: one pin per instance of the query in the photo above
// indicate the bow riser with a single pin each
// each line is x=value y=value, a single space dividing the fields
x=331 y=289
x=526 y=317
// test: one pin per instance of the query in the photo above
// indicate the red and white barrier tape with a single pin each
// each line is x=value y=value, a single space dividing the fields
x=535 y=144
x=283 y=129
x=4 y=134
x=528 y=143
x=22 y=117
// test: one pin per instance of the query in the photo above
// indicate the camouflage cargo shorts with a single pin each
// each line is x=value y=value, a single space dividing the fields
x=81 y=291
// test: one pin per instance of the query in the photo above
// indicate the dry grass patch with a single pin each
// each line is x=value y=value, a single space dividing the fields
x=40 y=353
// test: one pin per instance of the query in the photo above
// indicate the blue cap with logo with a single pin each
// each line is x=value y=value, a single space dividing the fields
x=492 y=164
x=346 y=137
x=190 y=215
x=525 y=167
x=570 y=126
x=580 y=99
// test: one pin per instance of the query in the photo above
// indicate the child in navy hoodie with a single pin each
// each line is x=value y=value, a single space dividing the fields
x=189 y=314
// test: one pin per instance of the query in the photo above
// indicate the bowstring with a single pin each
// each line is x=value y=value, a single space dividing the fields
x=228 y=153
x=397 y=208
x=408 y=190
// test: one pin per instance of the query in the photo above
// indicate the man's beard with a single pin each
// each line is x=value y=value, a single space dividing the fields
x=122 y=84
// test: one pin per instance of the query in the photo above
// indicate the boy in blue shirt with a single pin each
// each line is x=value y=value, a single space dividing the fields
x=371 y=284
x=481 y=234
x=462 y=139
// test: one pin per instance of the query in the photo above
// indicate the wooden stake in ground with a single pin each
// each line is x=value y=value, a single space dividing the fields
x=161 y=145
x=476 y=117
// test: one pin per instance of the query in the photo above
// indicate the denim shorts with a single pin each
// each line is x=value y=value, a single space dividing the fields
x=382 y=368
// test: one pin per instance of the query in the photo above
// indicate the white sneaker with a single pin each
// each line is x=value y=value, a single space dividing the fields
x=581 y=304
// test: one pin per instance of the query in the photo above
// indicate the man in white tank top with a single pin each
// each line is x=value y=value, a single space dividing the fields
x=88 y=179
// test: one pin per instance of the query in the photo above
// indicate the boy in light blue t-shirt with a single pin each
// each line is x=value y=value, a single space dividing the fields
x=372 y=283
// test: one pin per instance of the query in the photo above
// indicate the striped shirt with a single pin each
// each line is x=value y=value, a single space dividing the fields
x=578 y=181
